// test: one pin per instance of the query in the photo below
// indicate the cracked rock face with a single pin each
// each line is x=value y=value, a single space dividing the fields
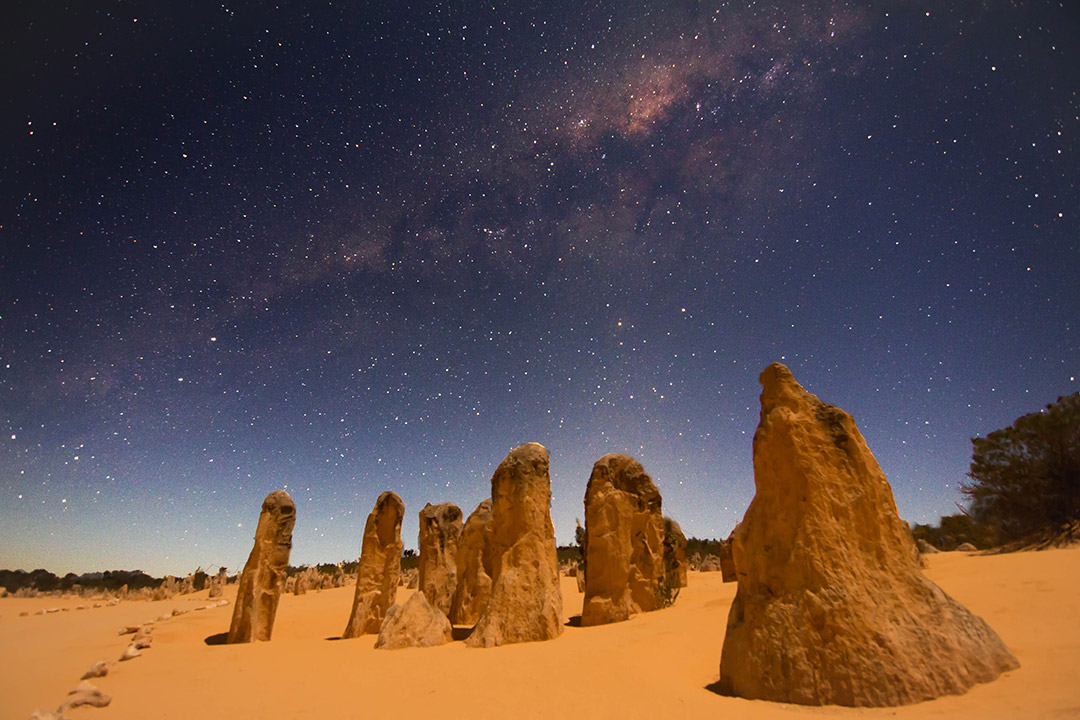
x=380 y=567
x=475 y=566
x=624 y=541
x=525 y=603
x=263 y=578
x=440 y=529
x=831 y=606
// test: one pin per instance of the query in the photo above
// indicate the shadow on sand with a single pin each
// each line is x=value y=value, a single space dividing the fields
x=574 y=621
x=460 y=633
x=718 y=689
x=217 y=639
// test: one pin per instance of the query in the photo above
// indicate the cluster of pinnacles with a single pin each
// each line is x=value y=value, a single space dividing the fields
x=831 y=606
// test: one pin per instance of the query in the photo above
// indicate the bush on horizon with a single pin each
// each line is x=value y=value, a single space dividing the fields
x=954 y=530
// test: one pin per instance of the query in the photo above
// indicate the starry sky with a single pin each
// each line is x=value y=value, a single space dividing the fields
x=341 y=248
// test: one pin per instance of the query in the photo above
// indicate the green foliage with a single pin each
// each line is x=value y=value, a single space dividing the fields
x=954 y=530
x=1026 y=477
x=409 y=559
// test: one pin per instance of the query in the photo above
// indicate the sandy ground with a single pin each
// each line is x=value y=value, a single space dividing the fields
x=656 y=665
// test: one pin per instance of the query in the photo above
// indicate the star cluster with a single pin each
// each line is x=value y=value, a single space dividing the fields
x=341 y=248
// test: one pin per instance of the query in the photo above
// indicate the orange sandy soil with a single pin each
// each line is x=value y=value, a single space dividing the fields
x=657 y=665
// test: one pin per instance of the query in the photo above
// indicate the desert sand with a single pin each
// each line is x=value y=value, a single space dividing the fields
x=656 y=665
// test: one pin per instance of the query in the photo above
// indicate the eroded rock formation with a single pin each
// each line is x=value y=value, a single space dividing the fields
x=674 y=555
x=475 y=566
x=263 y=578
x=727 y=558
x=831 y=606
x=624 y=542
x=525 y=602
x=217 y=583
x=379 y=568
x=440 y=527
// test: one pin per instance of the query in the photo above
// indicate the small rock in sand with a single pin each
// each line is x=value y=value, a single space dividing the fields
x=130 y=652
x=41 y=714
x=85 y=693
x=98 y=669
x=416 y=623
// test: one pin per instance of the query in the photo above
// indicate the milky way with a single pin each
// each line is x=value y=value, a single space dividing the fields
x=344 y=248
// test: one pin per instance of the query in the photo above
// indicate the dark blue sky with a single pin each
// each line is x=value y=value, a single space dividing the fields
x=344 y=248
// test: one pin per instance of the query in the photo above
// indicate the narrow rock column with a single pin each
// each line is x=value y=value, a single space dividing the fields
x=379 y=568
x=674 y=555
x=264 y=574
x=624 y=542
x=475 y=566
x=525 y=603
x=440 y=528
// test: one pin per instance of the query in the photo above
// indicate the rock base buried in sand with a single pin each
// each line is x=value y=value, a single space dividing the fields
x=414 y=624
x=831 y=606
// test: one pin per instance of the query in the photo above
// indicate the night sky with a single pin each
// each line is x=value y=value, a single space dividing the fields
x=341 y=248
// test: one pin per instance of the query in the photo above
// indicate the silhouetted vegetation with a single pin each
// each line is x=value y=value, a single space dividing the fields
x=1025 y=478
x=568 y=554
x=410 y=559
x=697 y=546
x=954 y=530
x=45 y=581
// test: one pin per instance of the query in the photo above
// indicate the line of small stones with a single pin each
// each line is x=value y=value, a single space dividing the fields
x=86 y=694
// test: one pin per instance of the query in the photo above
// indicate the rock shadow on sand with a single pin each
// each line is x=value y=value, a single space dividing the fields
x=221 y=638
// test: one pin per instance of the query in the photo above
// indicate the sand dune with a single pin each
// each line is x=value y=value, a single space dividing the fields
x=656 y=665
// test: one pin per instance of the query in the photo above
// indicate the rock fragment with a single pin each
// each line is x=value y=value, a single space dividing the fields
x=85 y=693
x=98 y=669
x=416 y=623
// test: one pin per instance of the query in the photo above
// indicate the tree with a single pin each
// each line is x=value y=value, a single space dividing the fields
x=1026 y=477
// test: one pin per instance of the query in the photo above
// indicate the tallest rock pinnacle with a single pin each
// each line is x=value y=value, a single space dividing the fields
x=832 y=607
